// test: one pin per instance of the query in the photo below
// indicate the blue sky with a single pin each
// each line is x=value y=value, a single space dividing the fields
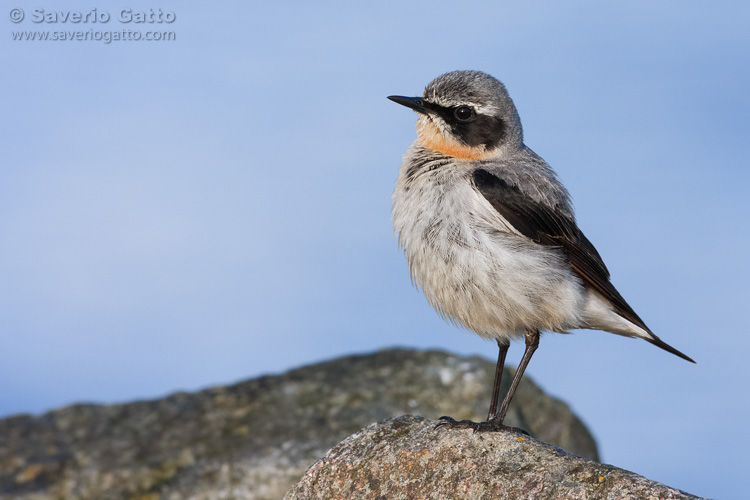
x=181 y=214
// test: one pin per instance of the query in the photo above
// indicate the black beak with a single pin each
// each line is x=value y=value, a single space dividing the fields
x=415 y=103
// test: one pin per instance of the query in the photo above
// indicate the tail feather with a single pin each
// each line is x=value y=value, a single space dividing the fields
x=660 y=343
x=602 y=314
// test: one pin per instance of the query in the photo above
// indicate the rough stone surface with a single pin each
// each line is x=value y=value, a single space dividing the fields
x=255 y=439
x=408 y=458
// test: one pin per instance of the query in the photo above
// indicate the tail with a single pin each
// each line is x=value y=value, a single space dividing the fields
x=619 y=318
x=660 y=343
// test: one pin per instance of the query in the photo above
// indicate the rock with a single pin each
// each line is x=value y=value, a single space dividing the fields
x=408 y=458
x=253 y=440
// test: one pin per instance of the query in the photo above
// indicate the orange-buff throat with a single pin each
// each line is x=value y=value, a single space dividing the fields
x=431 y=137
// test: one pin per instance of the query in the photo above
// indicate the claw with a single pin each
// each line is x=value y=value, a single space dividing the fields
x=491 y=425
x=452 y=423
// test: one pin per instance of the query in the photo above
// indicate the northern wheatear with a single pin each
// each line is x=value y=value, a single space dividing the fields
x=489 y=230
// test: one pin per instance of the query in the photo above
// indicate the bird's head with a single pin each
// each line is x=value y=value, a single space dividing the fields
x=466 y=114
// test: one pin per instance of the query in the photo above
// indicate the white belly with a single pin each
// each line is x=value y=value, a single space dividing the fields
x=473 y=268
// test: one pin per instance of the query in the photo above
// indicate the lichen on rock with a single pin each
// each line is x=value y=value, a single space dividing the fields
x=407 y=458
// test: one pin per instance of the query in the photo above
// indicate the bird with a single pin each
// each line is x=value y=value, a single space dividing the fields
x=489 y=231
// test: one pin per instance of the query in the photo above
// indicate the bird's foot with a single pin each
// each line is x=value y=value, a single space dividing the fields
x=452 y=423
x=491 y=425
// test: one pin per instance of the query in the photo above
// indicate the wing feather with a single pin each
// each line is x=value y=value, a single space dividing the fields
x=548 y=227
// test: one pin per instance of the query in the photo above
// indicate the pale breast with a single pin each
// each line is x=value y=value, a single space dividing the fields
x=472 y=266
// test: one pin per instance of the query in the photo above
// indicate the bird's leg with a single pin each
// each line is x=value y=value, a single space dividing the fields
x=503 y=344
x=495 y=423
x=495 y=419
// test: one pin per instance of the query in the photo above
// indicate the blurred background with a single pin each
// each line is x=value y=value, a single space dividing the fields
x=179 y=214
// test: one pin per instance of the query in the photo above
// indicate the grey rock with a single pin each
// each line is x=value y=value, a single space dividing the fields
x=253 y=440
x=409 y=458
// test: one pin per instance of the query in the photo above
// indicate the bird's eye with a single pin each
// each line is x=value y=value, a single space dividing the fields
x=463 y=113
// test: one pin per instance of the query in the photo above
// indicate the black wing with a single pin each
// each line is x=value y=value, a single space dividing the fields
x=547 y=227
